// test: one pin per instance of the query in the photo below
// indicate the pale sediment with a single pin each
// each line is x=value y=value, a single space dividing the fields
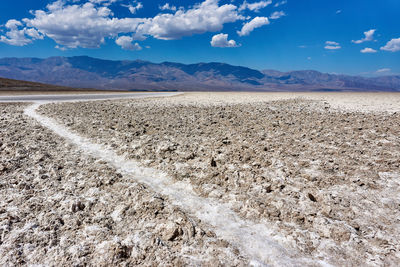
x=326 y=178
x=60 y=207
x=254 y=240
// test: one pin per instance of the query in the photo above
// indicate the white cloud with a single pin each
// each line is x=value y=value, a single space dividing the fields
x=255 y=6
x=34 y=34
x=55 y=5
x=221 y=40
x=19 y=37
x=73 y=24
x=15 y=37
x=369 y=36
x=253 y=24
x=134 y=8
x=62 y=48
x=392 y=46
x=330 y=45
x=384 y=70
x=277 y=15
x=280 y=3
x=338 y=11
x=126 y=43
x=205 y=17
x=80 y=25
x=13 y=24
x=100 y=2
x=368 y=50
x=167 y=6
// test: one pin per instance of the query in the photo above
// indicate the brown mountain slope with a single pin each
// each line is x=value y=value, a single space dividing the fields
x=18 y=85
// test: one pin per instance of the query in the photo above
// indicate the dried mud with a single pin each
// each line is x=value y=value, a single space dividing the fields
x=60 y=208
x=325 y=172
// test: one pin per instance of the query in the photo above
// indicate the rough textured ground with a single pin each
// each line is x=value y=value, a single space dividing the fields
x=325 y=172
x=60 y=208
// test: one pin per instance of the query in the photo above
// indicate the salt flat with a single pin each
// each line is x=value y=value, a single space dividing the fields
x=319 y=170
x=73 y=96
x=61 y=207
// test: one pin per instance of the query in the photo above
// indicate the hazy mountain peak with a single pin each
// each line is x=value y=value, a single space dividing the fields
x=85 y=71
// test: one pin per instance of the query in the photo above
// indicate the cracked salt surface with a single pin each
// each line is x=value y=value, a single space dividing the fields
x=257 y=241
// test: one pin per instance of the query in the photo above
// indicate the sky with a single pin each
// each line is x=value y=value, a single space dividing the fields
x=357 y=37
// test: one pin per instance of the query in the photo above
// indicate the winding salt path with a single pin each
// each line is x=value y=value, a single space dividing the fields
x=253 y=240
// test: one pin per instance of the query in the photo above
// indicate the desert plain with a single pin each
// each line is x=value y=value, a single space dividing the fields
x=202 y=179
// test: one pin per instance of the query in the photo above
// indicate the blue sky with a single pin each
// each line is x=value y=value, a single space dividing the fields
x=342 y=36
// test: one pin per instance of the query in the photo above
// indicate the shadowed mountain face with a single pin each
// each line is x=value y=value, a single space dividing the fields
x=18 y=85
x=90 y=72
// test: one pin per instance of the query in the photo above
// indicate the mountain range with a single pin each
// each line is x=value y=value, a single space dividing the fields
x=88 y=72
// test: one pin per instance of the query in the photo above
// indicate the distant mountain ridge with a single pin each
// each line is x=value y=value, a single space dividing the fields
x=88 y=72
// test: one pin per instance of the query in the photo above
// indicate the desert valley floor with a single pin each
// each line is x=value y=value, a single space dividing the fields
x=203 y=179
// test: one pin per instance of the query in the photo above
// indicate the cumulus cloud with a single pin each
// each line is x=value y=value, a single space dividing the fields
x=62 y=48
x=74 y=23
x=277 y=15
x=255 y=6
x=221 y=40
x=248 y=27
x=55 y=5
x=80 y=25
x=330 y=45
x=280 y=3
x=13 y=24
x=205 y=17
x=134 y=8
x=17 y=36
x=101 y=2
x=126 y=43
x=369 y=36
x=167 y=6
x=368 y=50
x=392 y=46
